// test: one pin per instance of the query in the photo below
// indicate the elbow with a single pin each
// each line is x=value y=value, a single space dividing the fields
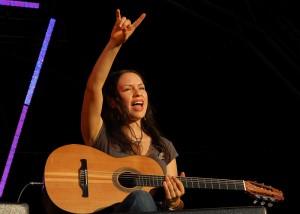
x=88 y=141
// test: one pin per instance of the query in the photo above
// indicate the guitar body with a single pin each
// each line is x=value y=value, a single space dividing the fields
x=62 y=180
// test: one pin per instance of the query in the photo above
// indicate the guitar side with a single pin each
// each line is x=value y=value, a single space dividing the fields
x=61 y=176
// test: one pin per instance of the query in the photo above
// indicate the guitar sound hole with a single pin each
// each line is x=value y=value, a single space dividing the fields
x=127 y=179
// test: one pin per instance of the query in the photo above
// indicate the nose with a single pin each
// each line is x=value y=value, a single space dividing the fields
x=137 y=92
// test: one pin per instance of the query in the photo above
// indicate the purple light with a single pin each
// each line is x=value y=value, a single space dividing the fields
x=13 y=149
x=39 y=63
x=20 y=4
x=33 y=82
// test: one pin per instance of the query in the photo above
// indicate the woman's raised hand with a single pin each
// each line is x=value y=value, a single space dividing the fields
x=123 y=28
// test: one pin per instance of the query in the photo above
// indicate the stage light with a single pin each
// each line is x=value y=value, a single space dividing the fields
x=27 y=101
x=24 y=4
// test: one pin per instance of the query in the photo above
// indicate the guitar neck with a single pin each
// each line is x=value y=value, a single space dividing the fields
x=192 y=182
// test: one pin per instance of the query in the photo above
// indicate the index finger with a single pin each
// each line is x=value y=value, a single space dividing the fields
x=137 y=22
x=179 y=184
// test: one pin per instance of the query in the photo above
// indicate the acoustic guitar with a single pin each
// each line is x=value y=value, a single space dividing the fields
x=82 y=179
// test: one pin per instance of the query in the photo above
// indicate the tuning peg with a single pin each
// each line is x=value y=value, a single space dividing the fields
x=262 y=203
x=255 y=201
x=258 y=196
x=272 y=199
x=270 y=204
x=265 y=198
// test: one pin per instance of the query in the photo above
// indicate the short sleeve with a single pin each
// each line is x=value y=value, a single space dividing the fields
x=101 y=140
x=171 y=148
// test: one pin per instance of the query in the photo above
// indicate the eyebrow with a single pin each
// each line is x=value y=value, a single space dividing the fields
x=140 y=84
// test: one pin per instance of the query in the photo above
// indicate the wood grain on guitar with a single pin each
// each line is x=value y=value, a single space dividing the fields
x=82 y=179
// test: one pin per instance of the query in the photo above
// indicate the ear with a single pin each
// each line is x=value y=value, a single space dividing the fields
x=112 y=103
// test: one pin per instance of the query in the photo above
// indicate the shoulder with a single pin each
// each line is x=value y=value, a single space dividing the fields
x=166 y=141
x=101 y=141
x=170 y=147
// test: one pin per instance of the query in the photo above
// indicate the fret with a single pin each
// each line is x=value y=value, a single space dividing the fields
x=214 y=185
x=139 y=181
x=152 y=181
x=146 y=182
x=192 y=182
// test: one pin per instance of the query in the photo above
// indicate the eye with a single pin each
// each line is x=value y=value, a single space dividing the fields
x=126 y=89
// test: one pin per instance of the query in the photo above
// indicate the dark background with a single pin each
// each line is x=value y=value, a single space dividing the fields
x=223 y=77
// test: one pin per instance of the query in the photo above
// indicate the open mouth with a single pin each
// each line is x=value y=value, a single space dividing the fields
x=137 y=105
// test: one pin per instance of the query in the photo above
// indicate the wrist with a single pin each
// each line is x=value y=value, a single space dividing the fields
x=176 y=205
x=114 y=43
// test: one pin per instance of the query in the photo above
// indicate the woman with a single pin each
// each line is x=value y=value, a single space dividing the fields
x=116 y=118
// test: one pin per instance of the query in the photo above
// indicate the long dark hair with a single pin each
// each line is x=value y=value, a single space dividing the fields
x=115 y=118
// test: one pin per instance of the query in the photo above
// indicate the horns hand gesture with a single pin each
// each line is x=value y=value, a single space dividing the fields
x=123 y=27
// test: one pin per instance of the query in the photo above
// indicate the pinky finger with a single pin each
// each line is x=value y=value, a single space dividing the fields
x=118 y=14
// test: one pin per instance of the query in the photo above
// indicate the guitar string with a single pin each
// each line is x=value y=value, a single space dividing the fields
x=190 y=183
x=160 y=176
x=160 y=179
x=193 y=184
x=105 y=174
x=143 y=178
x=190 y=179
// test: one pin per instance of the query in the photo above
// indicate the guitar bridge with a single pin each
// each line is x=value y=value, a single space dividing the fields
x=83 y=178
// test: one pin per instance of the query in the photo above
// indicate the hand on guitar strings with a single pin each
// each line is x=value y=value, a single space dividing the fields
x=174 y=189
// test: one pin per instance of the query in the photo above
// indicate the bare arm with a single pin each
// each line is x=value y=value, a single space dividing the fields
x=91 y=120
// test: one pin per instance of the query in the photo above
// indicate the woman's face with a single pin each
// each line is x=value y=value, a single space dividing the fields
x=133 y=95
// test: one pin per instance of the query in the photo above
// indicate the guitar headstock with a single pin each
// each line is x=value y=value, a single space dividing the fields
x=263 y=194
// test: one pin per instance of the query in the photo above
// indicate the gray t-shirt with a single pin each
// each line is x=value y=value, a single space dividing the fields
x=102 y=143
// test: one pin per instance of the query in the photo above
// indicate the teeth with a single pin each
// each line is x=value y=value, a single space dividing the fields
x=138 y=103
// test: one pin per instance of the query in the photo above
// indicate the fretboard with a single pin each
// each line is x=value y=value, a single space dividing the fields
x=192 y=182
